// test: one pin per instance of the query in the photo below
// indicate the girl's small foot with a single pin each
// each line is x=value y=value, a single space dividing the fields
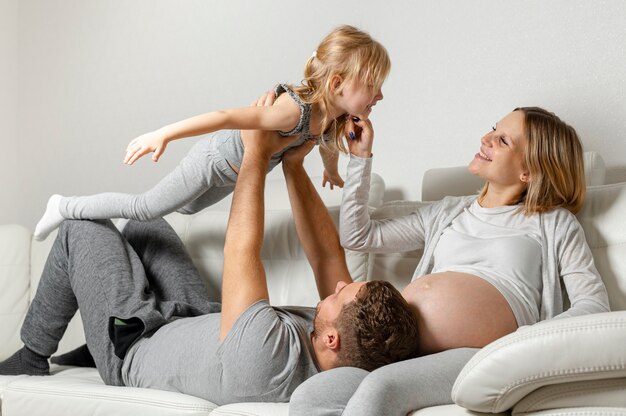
x=51 y=219
x=27 y=362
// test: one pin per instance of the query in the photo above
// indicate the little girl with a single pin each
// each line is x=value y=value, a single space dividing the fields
x=343 y=77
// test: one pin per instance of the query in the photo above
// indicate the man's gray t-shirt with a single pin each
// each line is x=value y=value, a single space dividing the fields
x=264 y=357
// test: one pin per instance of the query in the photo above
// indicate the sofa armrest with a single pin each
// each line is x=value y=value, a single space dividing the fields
x=14 y=284
x=552 y=352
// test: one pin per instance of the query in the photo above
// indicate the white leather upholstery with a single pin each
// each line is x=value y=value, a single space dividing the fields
x=80 y=391
x=590 y=397
x=558 y=351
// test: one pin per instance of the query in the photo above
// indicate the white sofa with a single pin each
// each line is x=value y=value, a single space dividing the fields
x=573 y=366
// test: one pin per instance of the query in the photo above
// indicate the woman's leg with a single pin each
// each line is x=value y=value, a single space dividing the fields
x=402 y=387
x=326 y=393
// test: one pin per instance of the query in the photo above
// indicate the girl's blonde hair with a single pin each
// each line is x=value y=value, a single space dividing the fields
x=554 y=159
x=351 y=54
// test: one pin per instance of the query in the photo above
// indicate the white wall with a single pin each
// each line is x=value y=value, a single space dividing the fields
x=10 y=202
x=93 y=74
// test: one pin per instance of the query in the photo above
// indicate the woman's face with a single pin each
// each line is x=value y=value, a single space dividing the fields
x=500 y=160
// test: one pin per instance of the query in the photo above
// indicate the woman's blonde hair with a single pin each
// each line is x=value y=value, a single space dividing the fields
x=554 y=159
x=351 y=54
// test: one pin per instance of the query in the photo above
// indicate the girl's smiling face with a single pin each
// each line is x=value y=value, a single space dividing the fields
x=356 y=98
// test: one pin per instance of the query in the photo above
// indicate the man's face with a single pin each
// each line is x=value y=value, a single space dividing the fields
x=329 y=309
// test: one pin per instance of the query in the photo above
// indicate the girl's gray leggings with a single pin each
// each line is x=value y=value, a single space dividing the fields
x=201 y=179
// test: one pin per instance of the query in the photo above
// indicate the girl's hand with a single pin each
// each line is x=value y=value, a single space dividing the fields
x=360 y=136
x=332 y=179
x=154 y=141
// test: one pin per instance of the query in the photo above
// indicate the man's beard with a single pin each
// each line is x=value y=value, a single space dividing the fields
x=318 y=323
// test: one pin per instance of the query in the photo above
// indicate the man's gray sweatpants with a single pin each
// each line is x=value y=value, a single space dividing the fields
x=145 y=274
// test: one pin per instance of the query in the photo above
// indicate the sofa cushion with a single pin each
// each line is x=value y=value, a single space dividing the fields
x=598 y=397
x=81 y=392
x=252 y=409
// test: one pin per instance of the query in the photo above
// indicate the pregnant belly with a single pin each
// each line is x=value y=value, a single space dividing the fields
x=458 y=310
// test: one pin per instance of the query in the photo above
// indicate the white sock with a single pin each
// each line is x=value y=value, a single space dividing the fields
x=120 y=224
x=51 y=219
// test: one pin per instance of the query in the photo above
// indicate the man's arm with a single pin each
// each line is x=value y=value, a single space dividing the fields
x=244 y=281
x=315 y=228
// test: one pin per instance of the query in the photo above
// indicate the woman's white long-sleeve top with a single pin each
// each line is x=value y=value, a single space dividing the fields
x=566 y=256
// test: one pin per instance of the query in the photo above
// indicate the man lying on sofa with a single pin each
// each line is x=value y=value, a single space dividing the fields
x=149 y=322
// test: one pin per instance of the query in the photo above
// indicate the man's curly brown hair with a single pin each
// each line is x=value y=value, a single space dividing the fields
x=377 y=328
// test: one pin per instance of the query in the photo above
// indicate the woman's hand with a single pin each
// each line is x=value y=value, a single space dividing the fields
x=360 y=136
x=155 y=141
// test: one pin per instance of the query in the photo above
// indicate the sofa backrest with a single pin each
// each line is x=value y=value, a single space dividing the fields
x=289 y=277
x=457 y=181
x=602 y=218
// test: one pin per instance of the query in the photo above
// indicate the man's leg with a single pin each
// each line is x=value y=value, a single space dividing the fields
x=174 y=280
x=47 y=318
x=173 y=277
x=92 y=268
x=109 y=284
x=119 y=298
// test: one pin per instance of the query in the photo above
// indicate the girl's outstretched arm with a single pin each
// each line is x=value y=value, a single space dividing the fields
x=283 y=116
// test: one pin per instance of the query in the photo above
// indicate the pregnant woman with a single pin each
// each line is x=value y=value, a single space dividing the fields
x=492 y=262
